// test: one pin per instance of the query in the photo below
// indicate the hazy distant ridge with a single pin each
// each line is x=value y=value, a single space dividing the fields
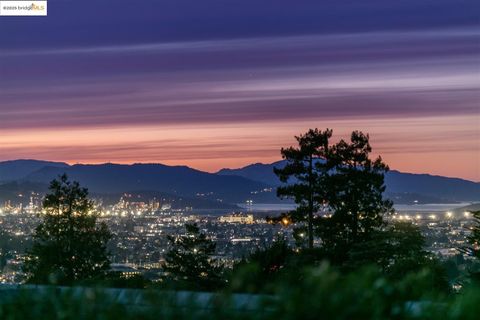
x=18 y=169
x=177 y=180
x=254 y=182
x=453 y=189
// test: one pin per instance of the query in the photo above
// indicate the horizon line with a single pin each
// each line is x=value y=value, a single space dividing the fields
x=70 y=164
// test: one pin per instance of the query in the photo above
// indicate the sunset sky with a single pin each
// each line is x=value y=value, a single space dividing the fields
x=225 y=83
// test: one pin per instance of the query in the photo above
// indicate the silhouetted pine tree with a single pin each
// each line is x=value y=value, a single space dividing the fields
x=342 y=180
x=355 y=192
x=307 y=171
x=68 y=245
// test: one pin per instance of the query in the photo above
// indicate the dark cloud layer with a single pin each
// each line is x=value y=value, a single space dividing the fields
x=121 y=21
x=245 y=64
x=373 y=74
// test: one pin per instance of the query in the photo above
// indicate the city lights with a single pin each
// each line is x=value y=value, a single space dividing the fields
x=285 y=221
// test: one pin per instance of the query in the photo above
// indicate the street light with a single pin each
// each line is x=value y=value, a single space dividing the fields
x=285 y=221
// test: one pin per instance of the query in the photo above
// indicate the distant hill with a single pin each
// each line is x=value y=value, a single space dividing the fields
x=437 y=186
x=175 y=180
x=255 y=182
x=18 y=169
x=398 y=183
x=258 y=171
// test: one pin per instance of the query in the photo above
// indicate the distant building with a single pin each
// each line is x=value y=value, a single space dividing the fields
x=127 y=271
x=237 y=218
x=166 y=206
x=139 y=229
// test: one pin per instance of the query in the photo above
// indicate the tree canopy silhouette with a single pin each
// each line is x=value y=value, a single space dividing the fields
x=474 y=237
x=355 y=192
x=189 y=260
x=474 y=240
x=68 y=245
x=307 y=168
x=338 y=188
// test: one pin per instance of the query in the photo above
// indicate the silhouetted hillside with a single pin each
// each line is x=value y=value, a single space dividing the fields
x=398 y=183
x=255 y=182
x=176 y=180
x=437 y=186
x=258 y=171
x=18 y=169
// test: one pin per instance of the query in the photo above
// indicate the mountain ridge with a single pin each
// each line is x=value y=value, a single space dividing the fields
x=177 y=180
x=255 y=182
x=11 y=170
x=445 y=188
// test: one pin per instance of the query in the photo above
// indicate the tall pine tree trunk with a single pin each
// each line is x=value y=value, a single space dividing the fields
x=310 y=204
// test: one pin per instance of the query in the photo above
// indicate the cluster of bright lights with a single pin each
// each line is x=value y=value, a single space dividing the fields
x=285 y=221
x=448 y=215
x=407 y=217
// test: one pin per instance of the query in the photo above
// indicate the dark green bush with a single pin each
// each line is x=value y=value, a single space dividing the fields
x=321 y=293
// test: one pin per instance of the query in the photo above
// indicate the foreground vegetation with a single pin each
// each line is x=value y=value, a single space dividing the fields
x=321 y=293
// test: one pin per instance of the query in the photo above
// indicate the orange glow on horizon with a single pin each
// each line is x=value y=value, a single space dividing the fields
x=423 y=145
